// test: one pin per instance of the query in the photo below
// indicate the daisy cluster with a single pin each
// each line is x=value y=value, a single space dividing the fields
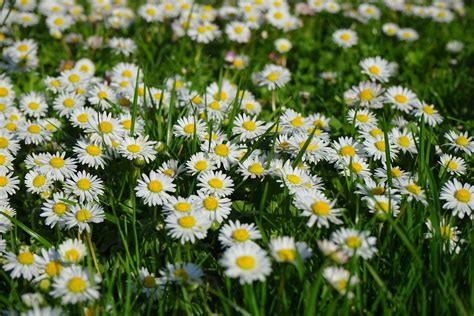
x=98 y=145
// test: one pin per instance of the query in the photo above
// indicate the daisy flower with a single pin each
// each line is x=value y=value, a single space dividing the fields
x=285 y=249
x=104 y=127
x=355 y=166
x=90 y=154
x=72 y=251
x=404 y=140
x=138 y=148
x=407 y=34
x=22 y=265
x=341 y=280
x=235 y=233
x=33 y=104
x=273 y=77
x=459 y=197
x=361 y=118
x=5 y=223
x=180 y=204
x=355 y=243
x=390 y=29
x=382 y=206
x=412 y=190
x=223 y=154
x=345 y=38
x=428 y=112
x=376 y=148
x=283 y=45
x=81 y=215
x=101 y=95
x=460 y=142
x=65 y=103
x=198 y=163
x=318 y=208
x=217 y=209
x=6 y=161
x=81 y=117
x=187 y=226
x=36 y=182
x=149 y=283
x=397 y=174
x=8 y=184
x=247 y=127
x=246 y=261
x=331 y=250
x=56 y=166
x=453 y=165
x=85 y=186
x=54 y=209
x=253 y=167
x=171 y=168
x=346 y=147
x=8 y=143
x=32 y=132
x=294 y=179
x=238 y=32
x=401 y=98
x=378 y=68
x=74 y=285
x=215 y=183
x=292 y=122
x=189 y=126
x=448 y=233
x=155 y=188
x=49 y=263
x=368 y=94
x=182 y=273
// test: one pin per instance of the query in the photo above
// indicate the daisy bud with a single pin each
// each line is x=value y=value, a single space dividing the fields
x=160 y=146
x=139 y=162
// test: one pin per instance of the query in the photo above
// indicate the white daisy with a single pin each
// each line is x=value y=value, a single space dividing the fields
x=187 y=226
x=155 y=188
x=459 y=197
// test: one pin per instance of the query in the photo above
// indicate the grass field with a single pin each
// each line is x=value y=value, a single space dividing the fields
x=254 y=157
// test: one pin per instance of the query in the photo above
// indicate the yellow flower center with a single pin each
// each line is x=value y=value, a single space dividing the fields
x=428 y=109
x=366 y=95
x=25 y=258
x=93 y=150
x=210 y=203
x=245 y=262
x=380 y=145
x=272 y=76
x=462 y=141
x=345 y=37
x=53 y=268
x=364 y=118
x=255 y=168
x=463 y=195
x=404 y=141
x=39 y=181
x=294 y=179
x=374 y=70
x=187 y=221
x=452 y=165
x=400 y=98
x=33 y=105
x=382 y=206
x=59 y=208
x=126 y=73
x=3 y=142
x=181 y=273
x=34 y=129
x=102 y=95
x=189 y=128
x=413 y=188
x=321 y=208
x=155 y=186
x=356 y=167
x=105 y=127
x=222 y=150
x=240 y=234
x=297 y=121
x=353 y=242
x=182 y=207
x=76 y=285
x=3 y=181
x=133 y=148
x=83 y=118
x=3 y=92
x=446 y=232
x=215 y=105
x=288 y=255
x=216 y=183
x=249 y=125
x=396 y=172
x=200 y=165
x=149 y=282
x=57 y=162
x=73 y=78
x=84 y=184
x=72 y=255
x=83 y=215
x=378 y=191
x=348 y=151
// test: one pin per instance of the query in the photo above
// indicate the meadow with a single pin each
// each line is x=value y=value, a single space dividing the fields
x=244 y=157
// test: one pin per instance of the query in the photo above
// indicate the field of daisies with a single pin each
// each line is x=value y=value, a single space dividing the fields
x=236 y=157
